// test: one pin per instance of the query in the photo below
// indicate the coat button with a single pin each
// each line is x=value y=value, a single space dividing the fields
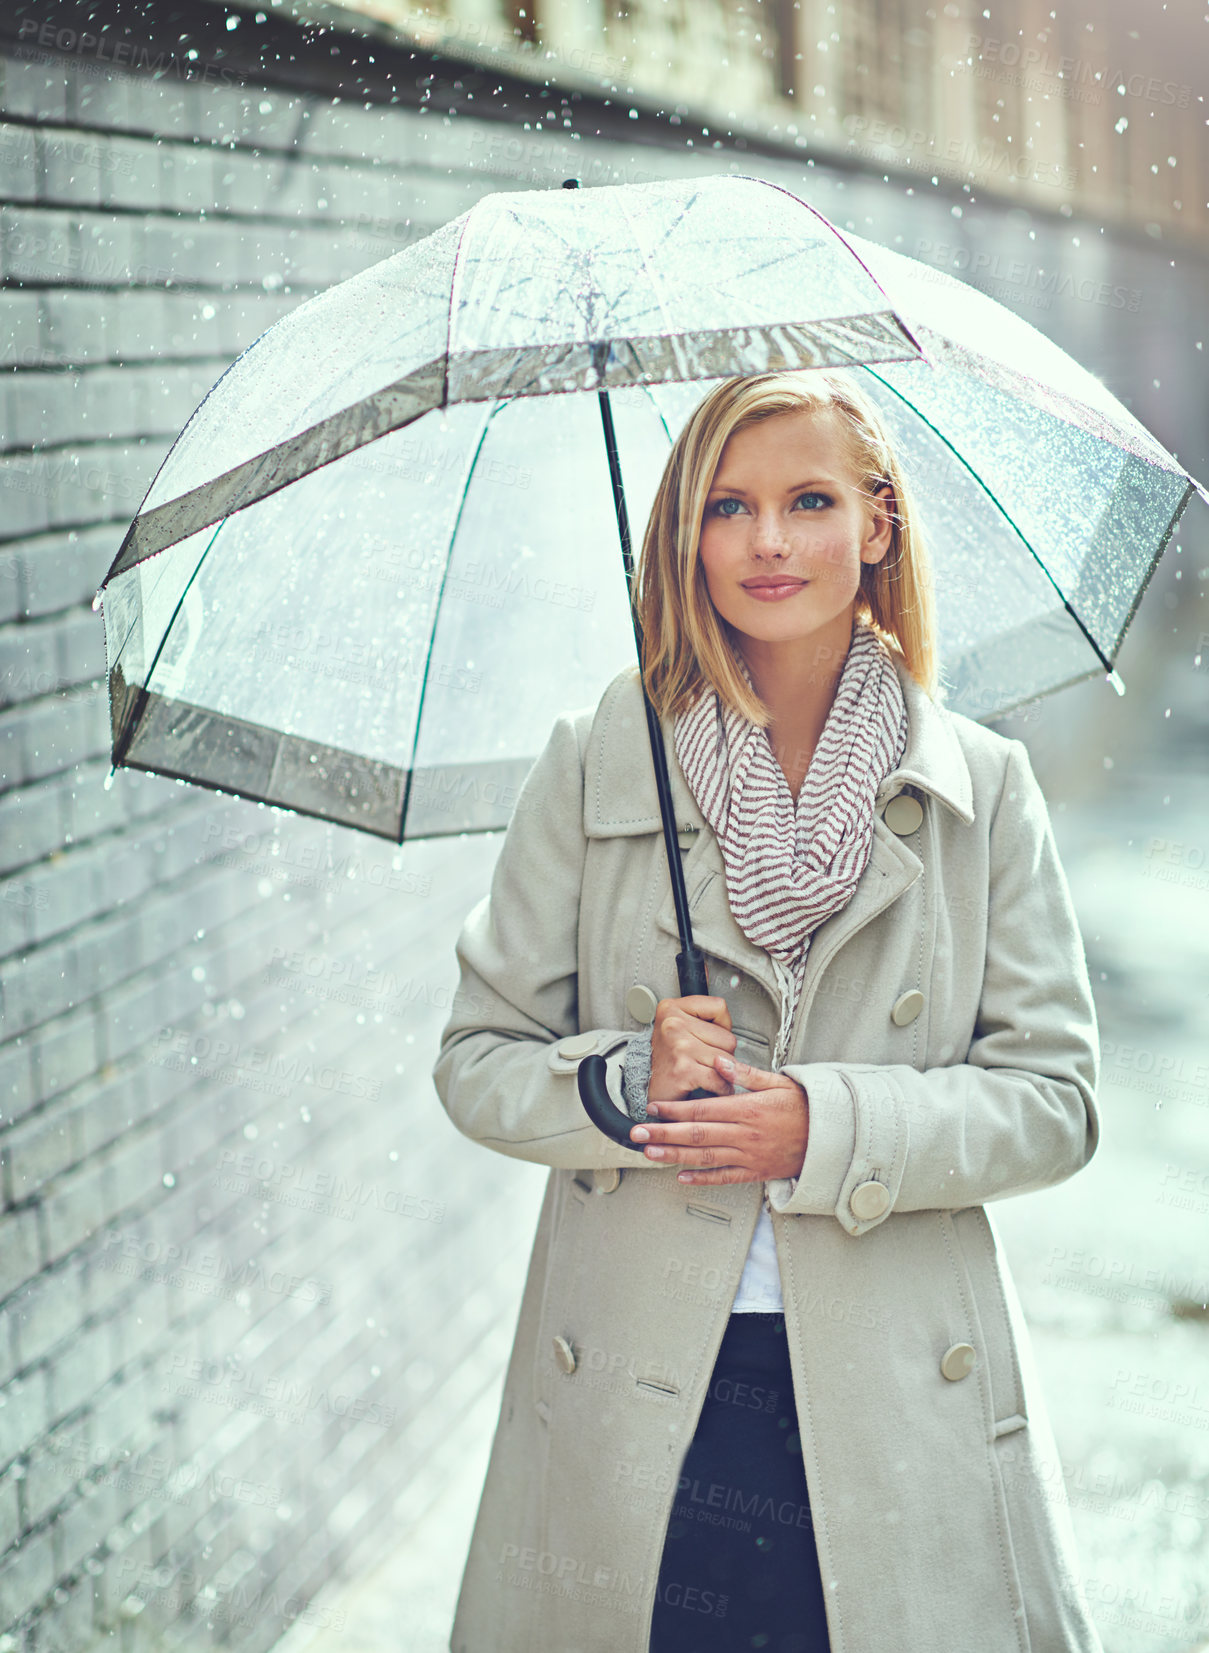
x=641 y=1004
x=958 y=1362
x=607 y=1181
x=869 y=1200
x=903 y=814
x=907 y=1008
x=565 y=1355
x=578 y=1044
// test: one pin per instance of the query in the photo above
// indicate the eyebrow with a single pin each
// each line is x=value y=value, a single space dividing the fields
x=797 y=487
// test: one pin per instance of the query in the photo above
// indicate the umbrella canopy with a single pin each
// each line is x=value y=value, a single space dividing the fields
x=381 y=555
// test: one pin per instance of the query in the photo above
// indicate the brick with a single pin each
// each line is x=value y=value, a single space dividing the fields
x=122 y=1412
x=17 y=898
x=12 y=574
x=24 y=1414
x=89 y=808
x=28 y=660
x=37 y=986
x=64 y=730
x=115 y=1102
x=105 y=952
x=66 y=1625
x=36 y=244
x=47 y=1309
x=14 y=770
x=38 y=1149
x=25 y=481
x=33 y=88
x=41 y=408
x=60 y=893
x=140 y=321
x=105 y=249
x=63 y=569
x=70 y=166
x=132 y=173
x=10 y=1509
x=57 y=1465
x=78 y=1371
x=134 y=1170
x=65 y=1051
x=31 y=824
x=188 y=177
x=26 y=1577
x=18 y=1250
x=131 y=1017
x=73 y=1207
x=77 y=327
x=18 y=162
x=128 y=871
x=100 y=101
x=20 y=330
x=193 y=326
x=80 y=641
x=16 y=1080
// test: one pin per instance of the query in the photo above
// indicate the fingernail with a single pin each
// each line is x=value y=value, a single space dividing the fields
x=685 y=1176
x=725 y=1064
x=640 y=1134
x=655 y=1153
x=652 y=1109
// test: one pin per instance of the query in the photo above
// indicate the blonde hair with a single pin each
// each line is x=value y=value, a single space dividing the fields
x=685 y=643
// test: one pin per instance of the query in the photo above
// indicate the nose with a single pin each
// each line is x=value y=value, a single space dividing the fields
x=768 y=537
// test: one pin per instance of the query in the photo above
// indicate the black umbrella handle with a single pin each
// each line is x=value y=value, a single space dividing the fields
x=594 y=1091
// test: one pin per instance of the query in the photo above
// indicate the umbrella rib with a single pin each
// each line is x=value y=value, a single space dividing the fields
x=1004 y=513
x=436 y=616
x=138 y=706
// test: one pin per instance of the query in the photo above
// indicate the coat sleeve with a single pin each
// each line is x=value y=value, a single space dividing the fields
x=1020 y=1112
x=500 y=1074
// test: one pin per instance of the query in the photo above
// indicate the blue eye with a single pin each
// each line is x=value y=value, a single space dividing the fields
x=826 y=499
x=718 y=511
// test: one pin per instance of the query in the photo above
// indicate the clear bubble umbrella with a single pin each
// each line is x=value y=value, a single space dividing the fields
x=382 y=554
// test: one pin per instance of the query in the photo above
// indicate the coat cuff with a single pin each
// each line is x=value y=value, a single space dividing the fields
x=855 y=1153
x=565 y=1055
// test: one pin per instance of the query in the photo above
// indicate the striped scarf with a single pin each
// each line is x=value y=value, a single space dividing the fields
x=787 y=870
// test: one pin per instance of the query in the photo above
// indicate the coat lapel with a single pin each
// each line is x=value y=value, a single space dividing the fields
x=620 y=800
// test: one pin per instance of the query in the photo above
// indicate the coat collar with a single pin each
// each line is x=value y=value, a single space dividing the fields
x=620 y=801
x=619 y=791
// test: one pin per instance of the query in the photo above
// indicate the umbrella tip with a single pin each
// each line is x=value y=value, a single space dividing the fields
x=1116 y=681
x=570 y=183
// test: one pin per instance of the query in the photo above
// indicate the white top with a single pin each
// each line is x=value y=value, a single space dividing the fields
x=760 y=1286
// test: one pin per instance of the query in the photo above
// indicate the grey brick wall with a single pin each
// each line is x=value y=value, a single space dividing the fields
x=247 y=1269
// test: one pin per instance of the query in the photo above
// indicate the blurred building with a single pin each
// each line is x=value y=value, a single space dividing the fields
x=1091 y=108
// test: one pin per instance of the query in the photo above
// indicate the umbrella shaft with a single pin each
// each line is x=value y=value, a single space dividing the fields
x=690 y=963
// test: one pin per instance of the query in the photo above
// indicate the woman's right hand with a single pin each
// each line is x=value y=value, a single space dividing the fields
x=686 y=1036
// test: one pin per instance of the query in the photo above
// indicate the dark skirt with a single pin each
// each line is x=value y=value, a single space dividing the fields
x=740 y=1569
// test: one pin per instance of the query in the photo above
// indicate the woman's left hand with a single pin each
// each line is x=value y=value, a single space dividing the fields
x=735 y=1138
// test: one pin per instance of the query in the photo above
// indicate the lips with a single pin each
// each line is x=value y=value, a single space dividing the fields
x=770 y=582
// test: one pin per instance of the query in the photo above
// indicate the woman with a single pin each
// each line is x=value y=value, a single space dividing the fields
x=770 y=1386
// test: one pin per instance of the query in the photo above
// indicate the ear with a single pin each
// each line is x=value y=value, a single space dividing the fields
x=883 y=511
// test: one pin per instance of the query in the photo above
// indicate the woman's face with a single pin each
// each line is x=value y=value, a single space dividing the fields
x=785 y=531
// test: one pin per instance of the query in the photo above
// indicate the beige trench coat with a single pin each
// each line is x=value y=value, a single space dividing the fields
x=947 y=1041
